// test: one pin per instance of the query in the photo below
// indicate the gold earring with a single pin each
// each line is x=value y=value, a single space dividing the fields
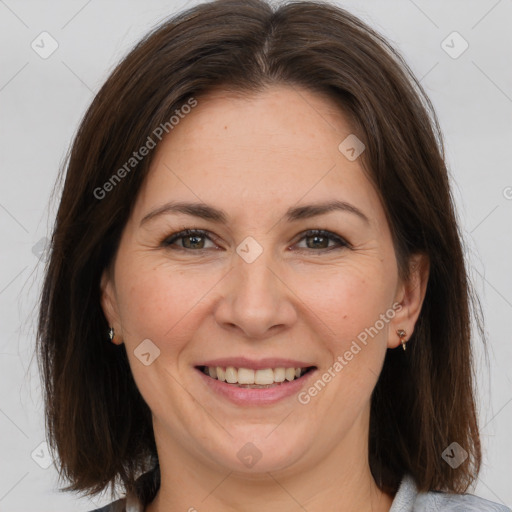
x=402 y=334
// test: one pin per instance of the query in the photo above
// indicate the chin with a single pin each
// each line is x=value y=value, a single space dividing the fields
x=256 y=452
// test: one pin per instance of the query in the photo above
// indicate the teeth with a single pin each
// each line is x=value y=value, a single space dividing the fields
x=263 y=377
x=279 y=374
x=289 y=374
x=231 y=375
x=247 y=376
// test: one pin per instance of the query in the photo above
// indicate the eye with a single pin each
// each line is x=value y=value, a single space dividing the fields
x=195 y=239
x=190 y=239
x=320 y=240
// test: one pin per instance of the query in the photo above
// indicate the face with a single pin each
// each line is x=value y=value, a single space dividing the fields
x=255 y=287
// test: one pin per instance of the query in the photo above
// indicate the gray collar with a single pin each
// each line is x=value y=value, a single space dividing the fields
x=407 y=499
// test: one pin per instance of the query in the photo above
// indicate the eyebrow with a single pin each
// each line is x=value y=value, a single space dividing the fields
x=206 y=212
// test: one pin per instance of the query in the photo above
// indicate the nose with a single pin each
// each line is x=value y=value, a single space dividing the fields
x=256 y=299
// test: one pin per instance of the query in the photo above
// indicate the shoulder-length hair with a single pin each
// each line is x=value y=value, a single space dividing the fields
x=424 y=399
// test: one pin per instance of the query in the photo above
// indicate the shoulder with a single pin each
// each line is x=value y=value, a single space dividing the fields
x=130 y=503
x=408 y=499
x=435 y=500
x=115 y=506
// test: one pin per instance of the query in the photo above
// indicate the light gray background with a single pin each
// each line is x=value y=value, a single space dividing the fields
x=42 y=101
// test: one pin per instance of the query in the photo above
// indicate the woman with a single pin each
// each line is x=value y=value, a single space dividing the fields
x=257 y=215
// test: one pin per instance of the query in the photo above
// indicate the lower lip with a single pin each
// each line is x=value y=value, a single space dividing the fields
x=256 y=396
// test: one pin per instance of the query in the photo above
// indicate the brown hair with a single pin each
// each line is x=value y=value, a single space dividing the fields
x=424 y=399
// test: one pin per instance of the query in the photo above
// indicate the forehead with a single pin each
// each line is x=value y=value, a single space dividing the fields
x=276 y=119
x=263 y=151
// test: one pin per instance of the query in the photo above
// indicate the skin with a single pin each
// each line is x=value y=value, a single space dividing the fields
x=254 y=157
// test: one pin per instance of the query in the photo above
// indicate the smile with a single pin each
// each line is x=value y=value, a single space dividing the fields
x=249 y=378
x=265 y=384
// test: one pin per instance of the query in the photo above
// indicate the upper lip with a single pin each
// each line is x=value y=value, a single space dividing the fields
x=260 y=364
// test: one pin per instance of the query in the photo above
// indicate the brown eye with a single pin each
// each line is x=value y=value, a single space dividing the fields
x=193 y=239
x=319 y=239
x=318 y=242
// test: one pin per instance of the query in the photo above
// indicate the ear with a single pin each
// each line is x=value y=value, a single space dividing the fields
x=409 y=298
x=109 y=305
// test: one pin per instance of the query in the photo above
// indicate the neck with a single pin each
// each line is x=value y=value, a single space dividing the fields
x=340 y=481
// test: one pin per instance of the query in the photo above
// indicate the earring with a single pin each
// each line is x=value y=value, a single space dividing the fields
x=402 y=334
x=111 y=334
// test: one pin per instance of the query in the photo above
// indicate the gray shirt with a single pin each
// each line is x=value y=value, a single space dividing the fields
x=407 y=499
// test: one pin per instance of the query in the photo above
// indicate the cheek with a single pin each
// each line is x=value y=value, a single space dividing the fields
x=159 y=303
x=165 y=306
x=349 y=298
x=350 y=305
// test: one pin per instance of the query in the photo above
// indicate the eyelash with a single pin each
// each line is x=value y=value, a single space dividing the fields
x=342 y=243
